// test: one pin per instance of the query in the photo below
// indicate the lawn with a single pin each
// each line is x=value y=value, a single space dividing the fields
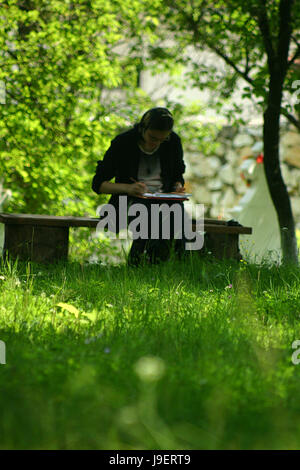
x=185 y=355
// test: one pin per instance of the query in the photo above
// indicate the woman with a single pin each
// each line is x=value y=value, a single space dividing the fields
x=146 y=158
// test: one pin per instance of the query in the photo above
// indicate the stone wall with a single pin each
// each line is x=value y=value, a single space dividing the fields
x=215 y=180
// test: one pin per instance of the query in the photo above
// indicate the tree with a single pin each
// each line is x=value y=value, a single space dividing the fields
x=255 y=39
x=59 y=64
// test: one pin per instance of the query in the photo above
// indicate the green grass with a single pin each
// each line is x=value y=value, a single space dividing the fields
x=190 y=355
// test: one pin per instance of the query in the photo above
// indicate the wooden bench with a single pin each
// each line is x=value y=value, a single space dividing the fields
x=44 y=238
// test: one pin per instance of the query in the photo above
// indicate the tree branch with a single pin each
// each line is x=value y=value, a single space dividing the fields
x=285 y=32
x=263 y=23
x=247 y=67
x=290 y=117
x=231 y=63
x=195 y=27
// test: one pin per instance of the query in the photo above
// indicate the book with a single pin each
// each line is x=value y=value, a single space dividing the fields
x=180 y=196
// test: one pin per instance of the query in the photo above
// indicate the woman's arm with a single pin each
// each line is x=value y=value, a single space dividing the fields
x=135 y=189
x=107 y=169
x=113 y=188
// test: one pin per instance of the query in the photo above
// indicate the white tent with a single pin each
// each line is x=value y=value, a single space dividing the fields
x=256 y=210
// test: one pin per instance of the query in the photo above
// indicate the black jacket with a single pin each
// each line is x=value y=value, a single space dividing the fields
x=121 y=161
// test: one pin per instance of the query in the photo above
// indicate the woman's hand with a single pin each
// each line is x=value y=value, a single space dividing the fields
x=179 y=188
x=136 y=189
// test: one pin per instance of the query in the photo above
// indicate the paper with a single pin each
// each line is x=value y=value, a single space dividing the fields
x=167 y=195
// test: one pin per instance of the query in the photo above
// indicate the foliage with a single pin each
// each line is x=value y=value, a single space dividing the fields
x=232 y=31
x=60 y=66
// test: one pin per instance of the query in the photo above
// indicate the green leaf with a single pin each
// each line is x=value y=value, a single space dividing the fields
x=69 y=308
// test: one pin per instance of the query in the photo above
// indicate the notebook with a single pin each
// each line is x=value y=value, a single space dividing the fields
x=179 y=196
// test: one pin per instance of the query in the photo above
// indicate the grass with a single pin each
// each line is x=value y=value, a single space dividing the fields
x=184 y=355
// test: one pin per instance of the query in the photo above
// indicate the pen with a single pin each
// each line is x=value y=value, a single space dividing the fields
x=135 y=181
x=139 y=182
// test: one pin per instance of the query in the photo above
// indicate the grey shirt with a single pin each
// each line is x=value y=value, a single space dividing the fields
x=149 y=170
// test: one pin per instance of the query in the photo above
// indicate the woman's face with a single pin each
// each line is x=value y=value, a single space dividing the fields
x=153 y=138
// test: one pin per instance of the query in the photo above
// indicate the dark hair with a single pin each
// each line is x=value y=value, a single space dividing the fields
x=156 y=118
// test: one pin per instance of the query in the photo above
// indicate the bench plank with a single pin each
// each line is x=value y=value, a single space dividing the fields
x=48 y=220
x=226 y=229
x=210 y=225
x=45 y=238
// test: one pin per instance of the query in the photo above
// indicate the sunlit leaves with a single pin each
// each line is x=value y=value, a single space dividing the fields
x=56 y=59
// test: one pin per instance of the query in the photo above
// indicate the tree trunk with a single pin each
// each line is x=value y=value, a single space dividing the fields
x=277 y=187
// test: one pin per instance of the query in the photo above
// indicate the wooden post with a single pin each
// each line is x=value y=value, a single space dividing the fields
x=222 y=245
x=37 y=243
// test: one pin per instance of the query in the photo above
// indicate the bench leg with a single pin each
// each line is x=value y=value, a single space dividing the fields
x=222 y=245
x=36 y=243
